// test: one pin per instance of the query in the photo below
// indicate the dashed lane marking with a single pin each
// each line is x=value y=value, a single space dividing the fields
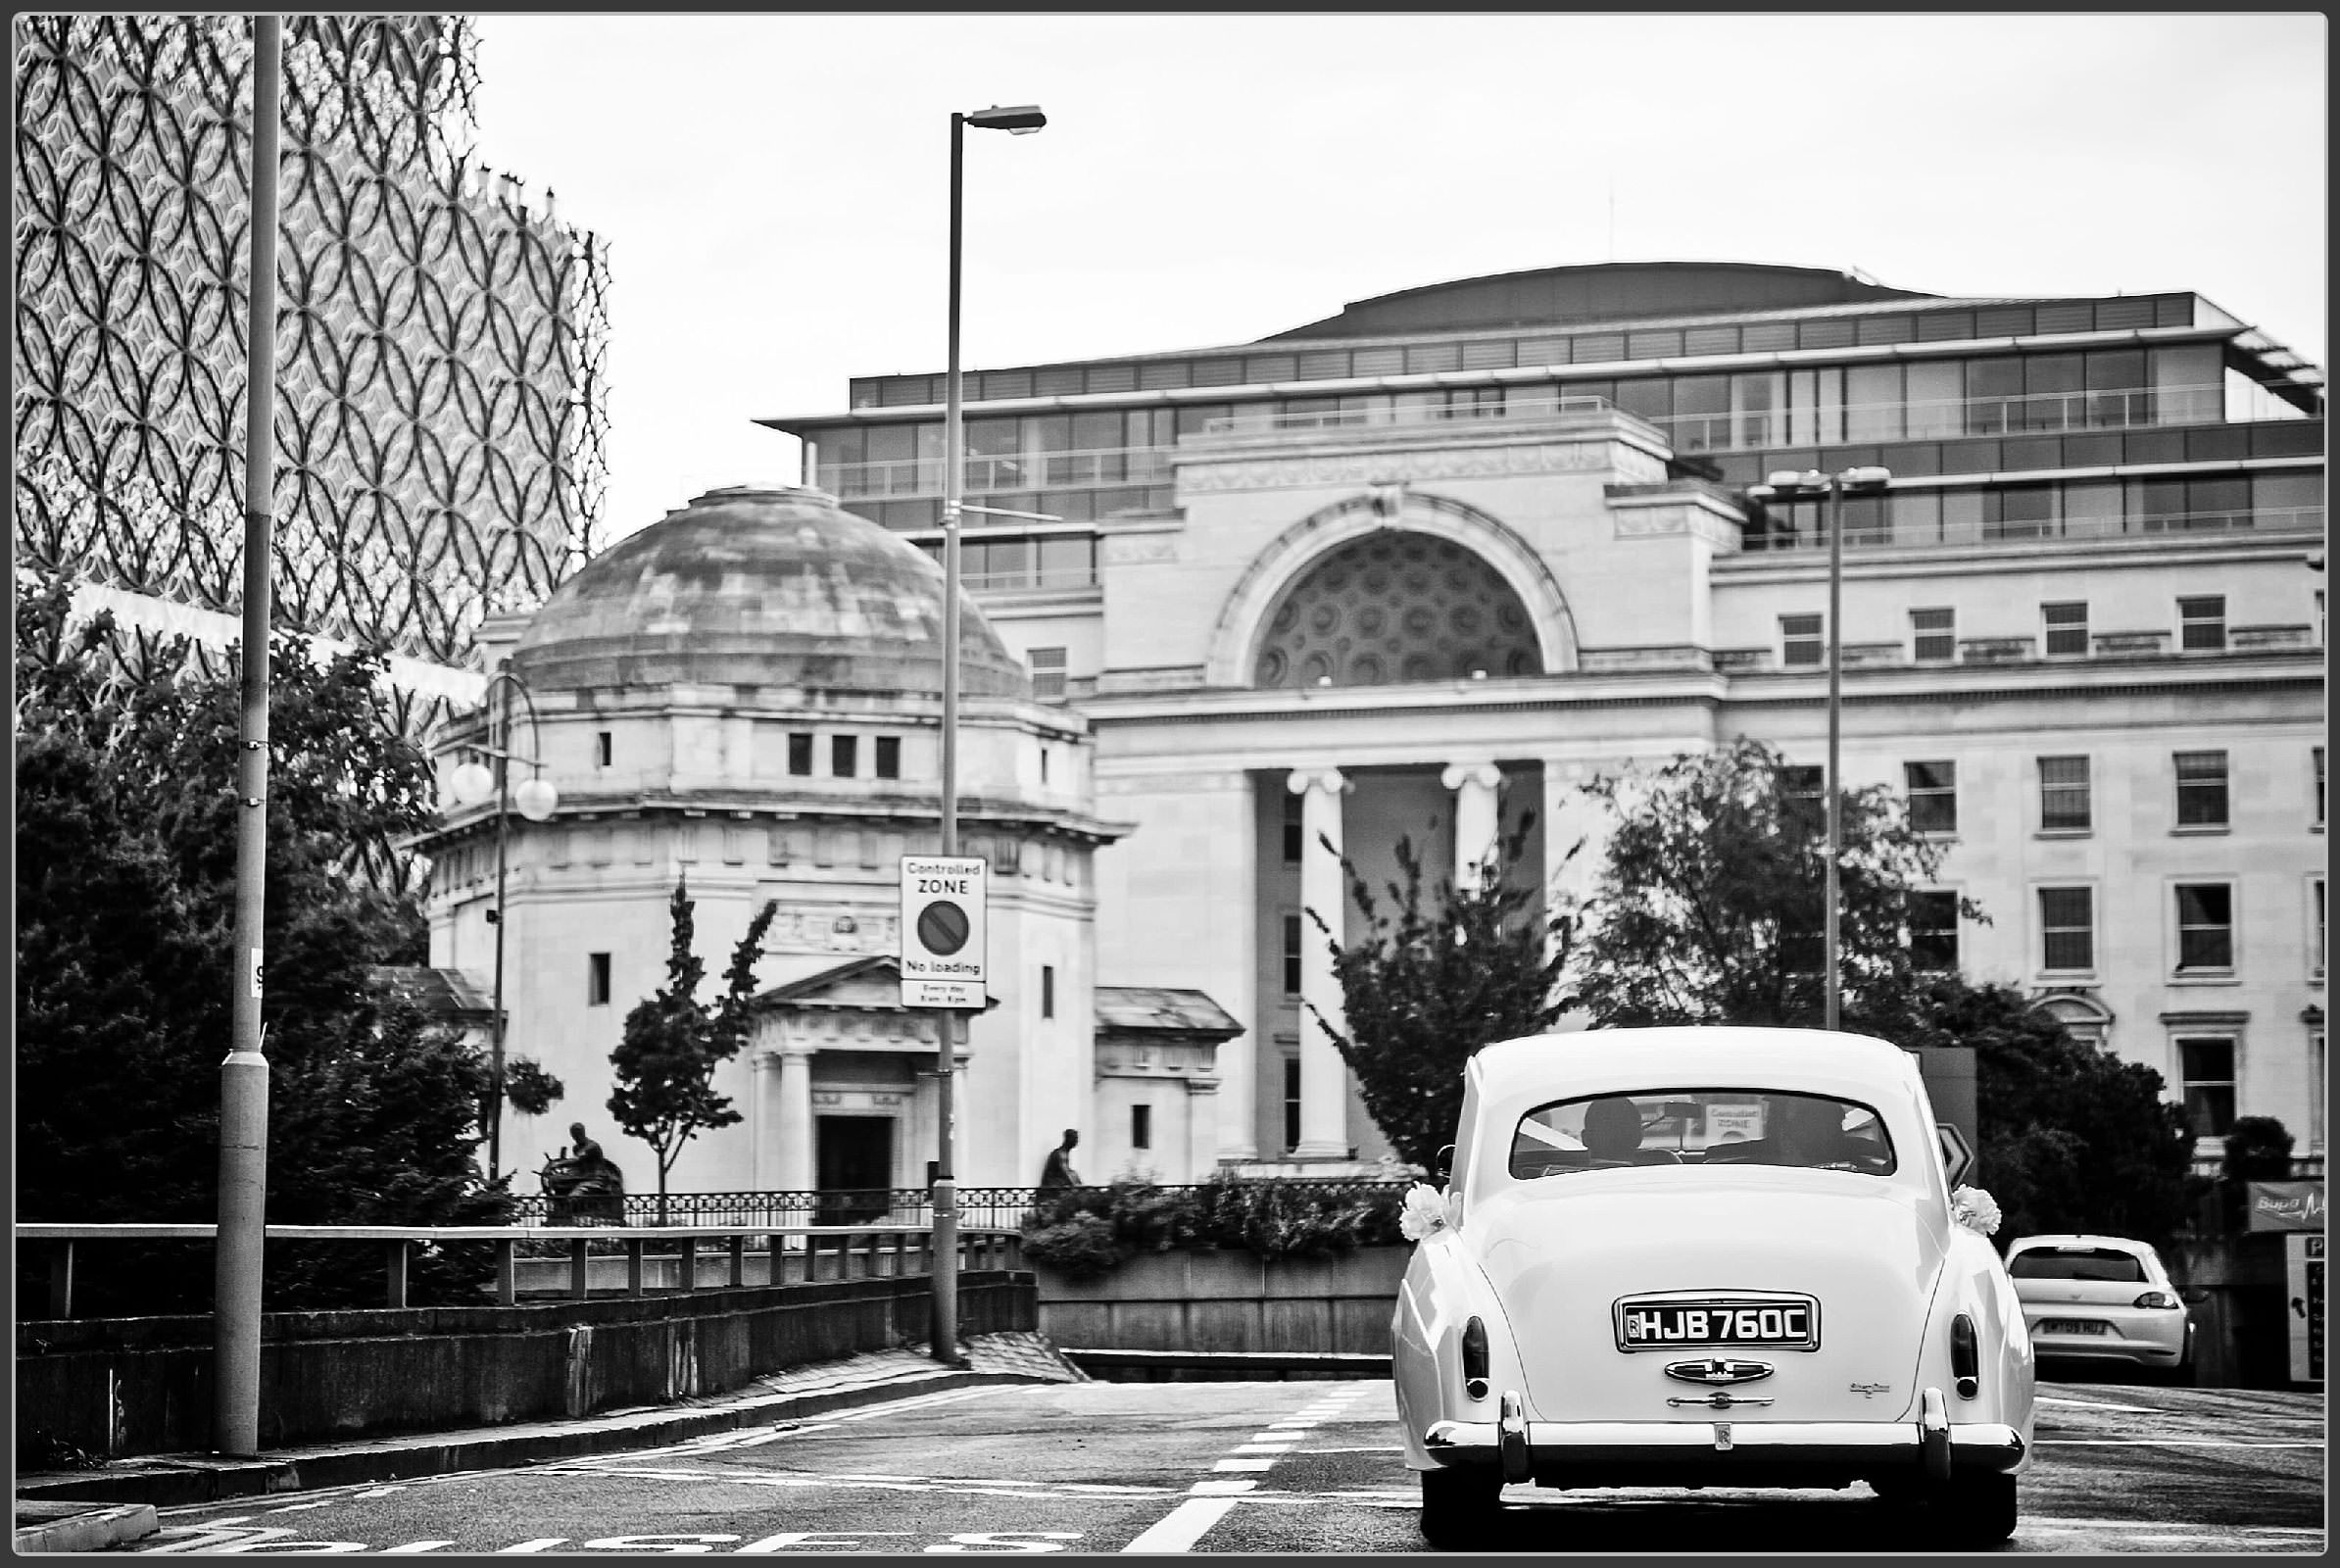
x=1211 y=1501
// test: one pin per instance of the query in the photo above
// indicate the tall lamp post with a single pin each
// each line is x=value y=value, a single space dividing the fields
x=534 y=799
x=1813 y=485
x=943 y=1334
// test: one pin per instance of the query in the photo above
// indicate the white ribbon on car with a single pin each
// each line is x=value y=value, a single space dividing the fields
x=1425 y=1211
x=1975 y=1209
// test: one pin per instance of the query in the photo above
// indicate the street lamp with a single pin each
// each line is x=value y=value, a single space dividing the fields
x=534 y=799
x=943 y=1331
x=1810 y=485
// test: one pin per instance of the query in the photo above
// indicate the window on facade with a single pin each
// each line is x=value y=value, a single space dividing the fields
x=1292 y=955
x=2065 y=628
x=2204 y=926
x=843 y=749
x=1802 y=785
x=1292 y=1101
x=2206 y=1069
x=596 y=979
x=1933 y=796
x=1048 y=673
x=2064 y=804
x=1141 y=1126
x=1933 y=930
x=2067 y=928
x=1933 y=634
x=2316 y=936
x=887 y=757
x=1800 y=640
x=1803 y=947
x=2315 y=1092
x=2318 y=758
x=602 y=749
x=1047 y=991
x=800 y=755
x=2202 y=622
x=2200 y=789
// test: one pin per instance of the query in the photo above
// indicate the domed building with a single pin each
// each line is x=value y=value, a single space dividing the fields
x=745 y=698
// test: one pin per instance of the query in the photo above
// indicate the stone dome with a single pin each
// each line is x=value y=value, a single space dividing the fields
x=761 y=586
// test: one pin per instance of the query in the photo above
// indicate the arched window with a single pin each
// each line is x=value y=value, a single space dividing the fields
x=1396 y=607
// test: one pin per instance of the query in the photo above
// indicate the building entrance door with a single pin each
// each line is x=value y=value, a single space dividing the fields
x=853 y=1169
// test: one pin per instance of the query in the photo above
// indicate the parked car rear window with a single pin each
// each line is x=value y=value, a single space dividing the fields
x=1717 y=1127
x=2077 y=1264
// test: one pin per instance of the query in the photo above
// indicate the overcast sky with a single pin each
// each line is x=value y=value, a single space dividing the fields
x=773 y=189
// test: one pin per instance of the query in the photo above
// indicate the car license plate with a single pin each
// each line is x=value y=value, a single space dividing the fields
x=2073 y=1325
x=1714 y=1322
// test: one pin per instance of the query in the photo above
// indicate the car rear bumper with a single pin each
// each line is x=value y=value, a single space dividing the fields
x=1610 y=1453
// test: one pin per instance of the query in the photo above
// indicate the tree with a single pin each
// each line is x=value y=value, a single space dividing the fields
x=127 y=816
x=1707 y=907
x=1431 y=980
x=666 y=1061
x=2071 y=1138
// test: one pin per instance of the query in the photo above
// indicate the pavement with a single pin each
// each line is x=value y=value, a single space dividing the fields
x=114 y=1503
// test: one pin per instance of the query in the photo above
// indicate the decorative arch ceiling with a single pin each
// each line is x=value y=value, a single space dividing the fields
x=1396 y=607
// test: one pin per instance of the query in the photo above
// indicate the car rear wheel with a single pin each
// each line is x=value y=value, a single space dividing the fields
x=1978 y=1511
x=1458 y=1504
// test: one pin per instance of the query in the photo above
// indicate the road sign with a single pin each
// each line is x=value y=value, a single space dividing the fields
x=1958 y=1155
x=2303 y=1268
x=943 y=931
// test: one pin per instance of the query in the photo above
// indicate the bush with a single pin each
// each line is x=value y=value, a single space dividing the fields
x=1080 y=1247
x=1086 y=1231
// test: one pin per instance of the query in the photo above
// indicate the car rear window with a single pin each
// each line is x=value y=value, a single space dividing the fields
x=2077 y=1264
x=1714 y=1127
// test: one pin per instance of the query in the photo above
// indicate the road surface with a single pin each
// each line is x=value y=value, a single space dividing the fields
x=1268 y=1467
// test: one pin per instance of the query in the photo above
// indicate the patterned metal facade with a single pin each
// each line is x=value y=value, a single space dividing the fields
x=441 y=400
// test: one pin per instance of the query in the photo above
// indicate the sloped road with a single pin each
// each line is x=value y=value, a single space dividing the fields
x=1267 y=1467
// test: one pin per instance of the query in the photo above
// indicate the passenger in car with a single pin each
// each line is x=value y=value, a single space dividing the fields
x=1799 y=1129
x=1613 y=1132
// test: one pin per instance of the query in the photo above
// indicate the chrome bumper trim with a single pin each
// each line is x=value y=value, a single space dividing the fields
x=1971 y=1446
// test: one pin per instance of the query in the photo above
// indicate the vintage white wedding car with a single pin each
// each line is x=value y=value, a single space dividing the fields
x=1708 y=1257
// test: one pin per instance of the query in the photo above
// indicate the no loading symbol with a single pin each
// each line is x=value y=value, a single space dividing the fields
x=942 y=928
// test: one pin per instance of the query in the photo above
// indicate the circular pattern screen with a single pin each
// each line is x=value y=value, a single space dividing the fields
x=1398 y=607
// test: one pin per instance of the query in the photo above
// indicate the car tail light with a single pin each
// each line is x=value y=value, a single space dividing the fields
x=1965 y=1358
x=1473 y=1359
x=2158 y=1298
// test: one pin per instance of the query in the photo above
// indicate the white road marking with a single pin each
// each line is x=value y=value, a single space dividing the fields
x=1242 y=1464
x=417 y=1545
x=1183 y=1526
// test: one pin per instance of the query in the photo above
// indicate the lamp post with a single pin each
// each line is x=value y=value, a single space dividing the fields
x=1813 y=485
x=943 y=1329
x=535 y=799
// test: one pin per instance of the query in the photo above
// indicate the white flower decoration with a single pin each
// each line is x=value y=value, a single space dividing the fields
x=1425 y=1211
x=1975 y=1209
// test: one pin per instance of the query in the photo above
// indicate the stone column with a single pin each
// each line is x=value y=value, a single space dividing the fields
x=796 y=1130
x=1476 y=827
x=1324 y=1077
x=1202 y=1123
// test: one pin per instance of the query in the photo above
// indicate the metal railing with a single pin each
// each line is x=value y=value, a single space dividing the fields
x=1942 y=419
x=908 y=1205
x=1028 y=472
x=1906 y=534
x=1393 y=409
x=1739 y=430
x=2304 y=1167
x=797 y=1254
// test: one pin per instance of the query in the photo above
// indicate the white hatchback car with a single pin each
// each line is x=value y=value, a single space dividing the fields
x=1707 y=1257
x=2100 y=1299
